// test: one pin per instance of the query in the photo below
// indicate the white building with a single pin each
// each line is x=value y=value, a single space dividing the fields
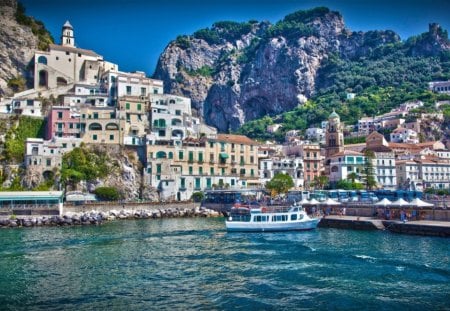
x=345 y=162
x=408 y=177
x=273 y=128
x=440 y=87
x=315 y=134
x=65 y=64
x=44 y=156
x=404 y=135
x=268 y=168
x=117 y=84
x=171 y=118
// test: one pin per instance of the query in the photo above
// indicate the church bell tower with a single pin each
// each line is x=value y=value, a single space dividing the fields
x=334 y=135
x=67 y=38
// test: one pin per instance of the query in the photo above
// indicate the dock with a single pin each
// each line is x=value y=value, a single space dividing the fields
x=416 y=227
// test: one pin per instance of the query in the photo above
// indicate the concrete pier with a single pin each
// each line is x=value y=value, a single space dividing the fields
x=416 y=227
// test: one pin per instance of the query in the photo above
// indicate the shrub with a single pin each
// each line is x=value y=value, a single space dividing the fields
x=107 y=193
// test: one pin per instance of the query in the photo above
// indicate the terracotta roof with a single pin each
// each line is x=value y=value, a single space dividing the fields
x=236 y=139
x=378 y=149
x=403 y=146
x=73 y=50
x=346 y=152
x=427 y=144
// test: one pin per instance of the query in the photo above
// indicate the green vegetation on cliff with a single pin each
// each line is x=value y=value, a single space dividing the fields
x=83 y=164
x=15 y=137
x=382 y=79
x=37 y=27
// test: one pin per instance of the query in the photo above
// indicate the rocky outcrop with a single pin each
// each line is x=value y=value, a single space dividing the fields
x=431 y=43
x=17 y=45
x=266 y=69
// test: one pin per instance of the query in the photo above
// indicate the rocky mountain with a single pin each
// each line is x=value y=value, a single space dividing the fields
x=20 y=35
x=235 y=72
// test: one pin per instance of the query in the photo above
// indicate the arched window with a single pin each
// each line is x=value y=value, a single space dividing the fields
x=334 y=169
x=95 y=127
x=161 y=155
x=177 y=133
x=60 y=81
x=43 y=75
x=172 y=101
x=111 y=126
x=42 y=60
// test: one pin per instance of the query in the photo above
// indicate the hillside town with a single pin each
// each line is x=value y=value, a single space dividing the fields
x=97 y=104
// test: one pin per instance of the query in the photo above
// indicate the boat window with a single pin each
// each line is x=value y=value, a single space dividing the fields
x=294 y=217
x=295 y=209
x=301 y=216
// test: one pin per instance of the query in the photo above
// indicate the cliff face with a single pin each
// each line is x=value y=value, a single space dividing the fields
x=18 y=41
x=233 y=75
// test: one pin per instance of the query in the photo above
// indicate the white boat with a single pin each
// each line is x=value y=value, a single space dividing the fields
x=263 y=219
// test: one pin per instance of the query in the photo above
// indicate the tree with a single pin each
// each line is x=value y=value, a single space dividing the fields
x=198 y=196
x=320 y=182
x=279 y=184
x=368 y=172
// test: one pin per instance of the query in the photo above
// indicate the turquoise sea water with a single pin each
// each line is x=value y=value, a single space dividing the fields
x=185 y=264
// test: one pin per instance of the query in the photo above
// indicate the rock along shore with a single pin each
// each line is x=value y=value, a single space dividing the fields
x=94 y=217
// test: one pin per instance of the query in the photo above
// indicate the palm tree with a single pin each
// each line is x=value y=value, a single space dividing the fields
x=352 y=177
x=320 y=181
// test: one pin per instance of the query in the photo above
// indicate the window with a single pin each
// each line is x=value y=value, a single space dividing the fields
x=64 y=145
x=178 y=112
x=158 y=168
x=170 y=155
x=94 y=137
x=252 y=159
x=95 y=115
x=211 y=144
x=143 y=91
x=191 y=156
x=222 y=146
x=190 y=170
x=111 y=137
x=294 y=217
x=180 y=155
x=128 y=90
x=197 y=183
x=139 y=106
x=60 y=115
x=200 y=170
x=127 y=106
x=49 y=162
x=211 y=170
x=200 y=157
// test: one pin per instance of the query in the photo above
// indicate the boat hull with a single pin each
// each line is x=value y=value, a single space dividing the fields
x=243 y=226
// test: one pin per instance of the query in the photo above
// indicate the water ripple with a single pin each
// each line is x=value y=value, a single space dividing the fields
x=179 y=264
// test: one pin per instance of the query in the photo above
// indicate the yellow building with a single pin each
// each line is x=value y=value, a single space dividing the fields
x=133 y=110
x=199 y=164
x=100 y=125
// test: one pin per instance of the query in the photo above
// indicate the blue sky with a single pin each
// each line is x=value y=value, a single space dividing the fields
x=133 y=33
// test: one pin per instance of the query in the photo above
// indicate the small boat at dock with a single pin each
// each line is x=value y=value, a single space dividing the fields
x=262 y=219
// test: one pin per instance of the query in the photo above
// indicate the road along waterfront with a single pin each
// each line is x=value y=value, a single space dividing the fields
x=193 y=263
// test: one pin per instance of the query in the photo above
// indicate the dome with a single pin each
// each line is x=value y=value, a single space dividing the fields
x=333 y=115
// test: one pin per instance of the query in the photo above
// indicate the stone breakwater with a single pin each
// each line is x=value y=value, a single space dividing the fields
x=96 y=218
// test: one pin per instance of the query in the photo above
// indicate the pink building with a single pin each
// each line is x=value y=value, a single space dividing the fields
x=61 y=122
